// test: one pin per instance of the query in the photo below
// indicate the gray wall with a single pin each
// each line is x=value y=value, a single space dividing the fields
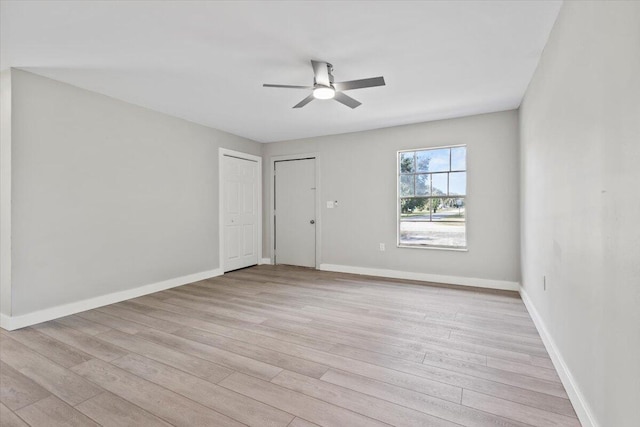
x=107 y=196
x=5 y=192
x=359 y=171
x=580 y=152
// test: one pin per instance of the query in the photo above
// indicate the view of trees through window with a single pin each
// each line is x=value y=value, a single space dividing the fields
x=432 y=185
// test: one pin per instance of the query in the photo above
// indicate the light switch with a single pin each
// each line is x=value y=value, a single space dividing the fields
x=330 y=204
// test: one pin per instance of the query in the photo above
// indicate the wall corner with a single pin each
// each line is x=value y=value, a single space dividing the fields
x=5 y=192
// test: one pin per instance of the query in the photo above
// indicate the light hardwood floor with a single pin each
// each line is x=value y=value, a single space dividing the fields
x=286 y=346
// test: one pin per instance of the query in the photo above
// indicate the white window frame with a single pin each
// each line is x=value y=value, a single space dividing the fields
x=399 y=199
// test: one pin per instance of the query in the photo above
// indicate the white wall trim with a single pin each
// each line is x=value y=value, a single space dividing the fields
x=231 y=153
x=425 y=277
x=17 y=322
x=5 y=322
x=264 y=261
x=580 y=404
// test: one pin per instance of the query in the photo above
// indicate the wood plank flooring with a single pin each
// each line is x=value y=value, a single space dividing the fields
x=287 y=346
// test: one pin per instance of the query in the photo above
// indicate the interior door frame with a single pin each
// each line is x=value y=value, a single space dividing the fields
x=272 y=218
x=222 y=152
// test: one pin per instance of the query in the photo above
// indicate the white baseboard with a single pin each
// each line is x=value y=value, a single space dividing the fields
x=5 y=321
x=580 y=404
x=425 y=277
x=16 y=322
x=263 y=261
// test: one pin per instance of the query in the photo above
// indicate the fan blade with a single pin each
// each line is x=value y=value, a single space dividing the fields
x=304 y=102
x=321 y=72
x=288 y=86
x=346 y=100
x=360 y=84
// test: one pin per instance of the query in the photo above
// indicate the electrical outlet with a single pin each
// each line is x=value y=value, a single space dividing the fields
x=382 y=247
x=544 y=283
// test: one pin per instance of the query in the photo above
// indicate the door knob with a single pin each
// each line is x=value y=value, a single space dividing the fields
x=312 y=222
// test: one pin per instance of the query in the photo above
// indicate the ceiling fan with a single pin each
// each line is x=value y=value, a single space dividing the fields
x=325 y=88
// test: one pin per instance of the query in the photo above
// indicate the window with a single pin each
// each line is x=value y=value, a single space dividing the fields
x=432 y=185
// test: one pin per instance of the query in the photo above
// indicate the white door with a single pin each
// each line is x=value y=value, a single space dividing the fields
x=295 y=212
x=240 y=213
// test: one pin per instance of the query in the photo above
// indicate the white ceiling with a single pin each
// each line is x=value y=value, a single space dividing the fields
x=206 y=61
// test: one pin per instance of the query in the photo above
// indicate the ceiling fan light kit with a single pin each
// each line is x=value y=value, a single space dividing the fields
x=323 y=92
x=325 y=88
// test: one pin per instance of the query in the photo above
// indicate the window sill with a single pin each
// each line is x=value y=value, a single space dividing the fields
x=437 y=248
